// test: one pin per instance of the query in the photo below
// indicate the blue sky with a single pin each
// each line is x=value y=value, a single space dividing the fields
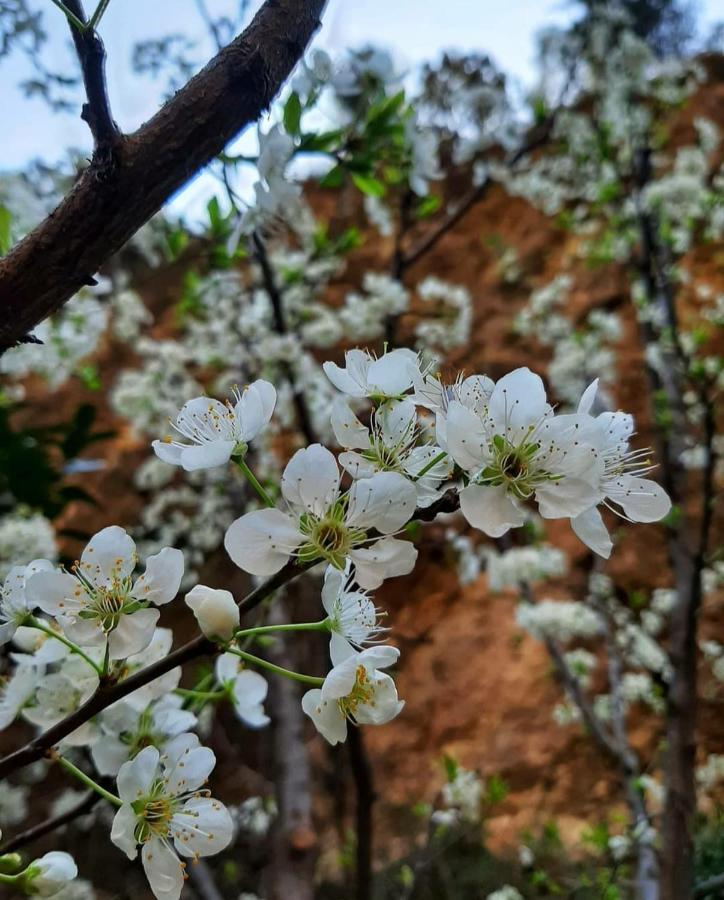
x=414 y=29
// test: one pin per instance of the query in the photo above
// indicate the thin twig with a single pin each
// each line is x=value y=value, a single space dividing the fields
x=49 y=825
x=92 y=57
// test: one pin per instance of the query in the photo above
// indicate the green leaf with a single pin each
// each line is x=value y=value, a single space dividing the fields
x=368 y=185
x=292 y=113
x=333 y=178
x=451 y=767
x=427 y=206
x=6 y=218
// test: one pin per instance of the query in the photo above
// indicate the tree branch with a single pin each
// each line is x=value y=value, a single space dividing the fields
x=49 y=825
x=108 y=693
x=92 y=57
x=112 y=200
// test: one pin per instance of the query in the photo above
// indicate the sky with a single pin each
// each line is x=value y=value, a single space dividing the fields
x=415 y=30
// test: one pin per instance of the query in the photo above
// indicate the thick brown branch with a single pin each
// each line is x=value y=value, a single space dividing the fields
x=112 y=199
x=92 y=57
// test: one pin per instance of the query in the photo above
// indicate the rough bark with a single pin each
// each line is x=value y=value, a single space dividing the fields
x=119 y=192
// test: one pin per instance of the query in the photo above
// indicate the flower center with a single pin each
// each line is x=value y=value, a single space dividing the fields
x=515 y=467
x=328 y=537
x=154 y=813
x=363 y=692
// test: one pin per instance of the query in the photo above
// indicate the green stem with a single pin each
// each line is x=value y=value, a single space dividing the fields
x=292 y=626
x=433 y=462
x=251 y=478
x=88 y=781
x=287 y=673
x=98 y=14
x=71 y=17
x=10 y=879
x=200 y=695
x=74 y=648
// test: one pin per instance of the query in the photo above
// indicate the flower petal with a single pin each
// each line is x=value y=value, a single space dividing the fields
x=490 y=509
x=137 y=775
x=123 y=830
x=160 y=582
x=109 y=556
x=385 y=558
x=311 y=479
x=133 y=633
x=201 y=827
x=326 y=715
x=262 y=541
x=590 y=528
x=385 y=502
x=163 y=869
x=347 y=428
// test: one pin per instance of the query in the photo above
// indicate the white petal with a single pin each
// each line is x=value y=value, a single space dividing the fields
x=341 y=679
x=385 y=501
x=109 y=754
x=397 y=422
x=590 y=528
x=168 y=451
x=250 y=687
x=490 y=509
x=207 y=456
x=333 y=582
x=385 y=558
x=123 y=829
x=386 y=703
x=588 y=398
x=51 y=591
x=642 y=500
x=110 y=555
x=202 y=827
x=518 y=401
x=381 y=657
x=189 y=769
x=465 y=437
x=163 y=869
x=566 y=498
x=311 y=479
x=356 y=464
x=326 y=715
x=133 y=634
x=227 y=667
x=137 y=775
x=343 y=380
x=160 y=582
x=255 y=409
x=262 y=541
x=392 y=374
x=347 y=428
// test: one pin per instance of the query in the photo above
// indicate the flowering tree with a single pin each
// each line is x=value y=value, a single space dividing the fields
x=314 y=478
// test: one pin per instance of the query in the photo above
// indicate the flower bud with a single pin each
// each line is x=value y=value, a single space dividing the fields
x=215 y=610
x=51 y=873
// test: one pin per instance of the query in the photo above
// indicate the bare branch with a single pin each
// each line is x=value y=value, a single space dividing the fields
x=108 y=693
x=49 y=825
x=112 y=200
x=92 y=57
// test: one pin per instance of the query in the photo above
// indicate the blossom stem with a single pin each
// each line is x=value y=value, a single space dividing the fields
x=291 y=626
x=98 y=14
x=200 y=695
x=10 y=879
x=253 y=481
x=71 y=17
x=433 y=462
x=287 y=673
x=74 y=648
x=88 y=781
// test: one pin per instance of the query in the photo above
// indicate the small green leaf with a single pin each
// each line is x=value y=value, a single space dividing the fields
x=6 y=218
x=368 y=185
x=292 y=113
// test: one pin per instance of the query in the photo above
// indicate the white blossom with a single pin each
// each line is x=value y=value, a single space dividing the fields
x=216 y=611
x=354 y=690
x=167 y=812
x=218 y=431
x=100 y=602
x=248 y=689
x=324 y=523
